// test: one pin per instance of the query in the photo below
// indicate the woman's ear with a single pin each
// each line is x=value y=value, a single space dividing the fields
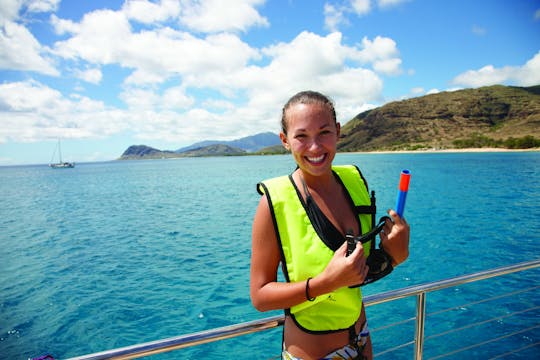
x=284 y=141
x=338 y=129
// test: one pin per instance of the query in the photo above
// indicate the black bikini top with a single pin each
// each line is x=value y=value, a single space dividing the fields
x=327 y=231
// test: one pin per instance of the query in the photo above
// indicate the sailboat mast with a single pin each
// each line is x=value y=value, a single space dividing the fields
x=59 y=151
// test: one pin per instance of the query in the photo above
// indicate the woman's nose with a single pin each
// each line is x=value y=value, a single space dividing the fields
x=315 y=144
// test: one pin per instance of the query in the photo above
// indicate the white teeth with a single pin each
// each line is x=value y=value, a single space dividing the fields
x=316 y=159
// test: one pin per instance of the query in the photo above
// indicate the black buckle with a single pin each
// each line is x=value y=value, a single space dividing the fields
x=379 y=262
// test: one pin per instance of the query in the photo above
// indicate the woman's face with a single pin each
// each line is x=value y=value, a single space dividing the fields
x=312 y=136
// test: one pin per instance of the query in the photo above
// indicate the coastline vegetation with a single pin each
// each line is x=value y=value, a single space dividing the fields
x=482 y=141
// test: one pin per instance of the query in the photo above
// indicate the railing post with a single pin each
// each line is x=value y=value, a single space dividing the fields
x=420 y=322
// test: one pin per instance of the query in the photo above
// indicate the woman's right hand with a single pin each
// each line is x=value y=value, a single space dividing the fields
x=343 y=270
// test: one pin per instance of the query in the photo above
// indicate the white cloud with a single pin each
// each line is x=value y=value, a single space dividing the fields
x=361 y=7
x=31 y=111
x=388 y=66
x=250 y=97
x=176 y=98
x=99 y=38
x=216 y=15
x=336 y=14
x=62 y=26
x=42 y=5
x=382 y=53
x=154 y=55
x=9 y=9
x=19 y=50
x=390 y=3
x=173 y=98
x=243 y=88
x=526 y=75
x=92 y=76
x=147 y=12
x=333 y=17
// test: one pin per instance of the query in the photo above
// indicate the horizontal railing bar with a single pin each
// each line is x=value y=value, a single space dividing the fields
x=468 y=326
x=184 y=341
x=392 y=349
x=443 y=284
x=384 y=327
x=483 y=300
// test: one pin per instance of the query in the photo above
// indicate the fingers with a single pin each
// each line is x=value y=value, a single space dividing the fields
x=342 y=249
x=358 y=251
x=398 y=220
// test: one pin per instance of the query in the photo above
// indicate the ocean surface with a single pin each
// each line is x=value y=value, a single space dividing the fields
x=113 y=254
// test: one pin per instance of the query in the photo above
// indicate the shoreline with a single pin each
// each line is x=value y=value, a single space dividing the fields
x=438 y=151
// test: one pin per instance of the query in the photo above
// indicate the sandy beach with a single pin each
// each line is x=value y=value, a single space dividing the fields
x=468 y=150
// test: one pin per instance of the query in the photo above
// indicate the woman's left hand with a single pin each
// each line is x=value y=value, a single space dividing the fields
x=395 y=238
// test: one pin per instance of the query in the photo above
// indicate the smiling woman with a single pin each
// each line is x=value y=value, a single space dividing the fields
x=302 y=222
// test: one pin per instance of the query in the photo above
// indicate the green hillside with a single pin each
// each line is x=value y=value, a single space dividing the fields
x=495 y=116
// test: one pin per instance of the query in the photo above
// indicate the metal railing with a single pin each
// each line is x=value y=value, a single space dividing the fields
x=198 y=338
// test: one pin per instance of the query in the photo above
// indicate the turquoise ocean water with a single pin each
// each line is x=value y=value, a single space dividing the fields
x=112 y=254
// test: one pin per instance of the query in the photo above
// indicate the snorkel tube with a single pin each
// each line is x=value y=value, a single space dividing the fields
x=403 y=189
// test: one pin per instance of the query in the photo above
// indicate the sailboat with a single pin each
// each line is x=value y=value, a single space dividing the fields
x=60 y=164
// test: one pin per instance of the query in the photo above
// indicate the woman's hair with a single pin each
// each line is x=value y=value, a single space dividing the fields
x=307 y=97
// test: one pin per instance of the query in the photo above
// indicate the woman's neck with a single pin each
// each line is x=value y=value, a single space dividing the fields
x=322 y=184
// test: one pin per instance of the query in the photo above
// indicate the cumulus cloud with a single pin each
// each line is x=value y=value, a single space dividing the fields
x=19 y=50
x=217 y=15
x=31 y=111
x=181 y=86
x=93 y=76
x=337 y=15
x=361 y=7
x=101 y=37
x=333 y=17
x=42 y=5
x=147 y=12
x=382 y=53
x=525 y=75
x=153 y=55
x=390 y=3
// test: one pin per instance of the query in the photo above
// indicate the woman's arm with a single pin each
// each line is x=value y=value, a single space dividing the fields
x=266 y=293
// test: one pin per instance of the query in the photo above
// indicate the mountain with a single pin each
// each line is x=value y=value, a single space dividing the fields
x=243 y=146
x=137 y=152
x=214 y=150
x=248 y=143
x=495 y=116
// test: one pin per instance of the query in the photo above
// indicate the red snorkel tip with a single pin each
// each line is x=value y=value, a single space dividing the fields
x=404 y=179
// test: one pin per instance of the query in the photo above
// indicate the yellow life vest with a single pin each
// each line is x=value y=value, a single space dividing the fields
x=305 y=255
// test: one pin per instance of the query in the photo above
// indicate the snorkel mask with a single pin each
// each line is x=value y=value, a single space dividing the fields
x=379 y=262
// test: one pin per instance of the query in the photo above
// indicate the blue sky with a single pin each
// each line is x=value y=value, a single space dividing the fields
x=104 y=75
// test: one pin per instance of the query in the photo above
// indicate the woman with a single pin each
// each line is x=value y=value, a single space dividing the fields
x=302 y=222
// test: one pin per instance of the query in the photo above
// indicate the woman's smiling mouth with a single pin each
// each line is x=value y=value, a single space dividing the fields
x=316 y=160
